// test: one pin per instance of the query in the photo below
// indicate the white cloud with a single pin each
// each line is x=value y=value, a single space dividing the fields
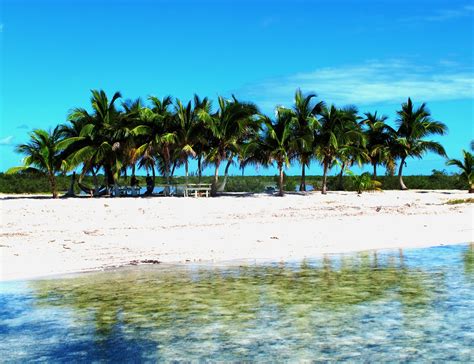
x=373 y=82
x=7 y=140
x=444 y=14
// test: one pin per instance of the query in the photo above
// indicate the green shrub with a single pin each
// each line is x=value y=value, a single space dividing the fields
x=34 y=183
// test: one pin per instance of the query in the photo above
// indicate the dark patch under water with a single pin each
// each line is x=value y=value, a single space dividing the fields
x=413 y=304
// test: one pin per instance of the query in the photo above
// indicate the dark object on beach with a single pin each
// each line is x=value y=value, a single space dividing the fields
x=145 y=261
x=150 y=185
x=150 y=261
x=270 y=189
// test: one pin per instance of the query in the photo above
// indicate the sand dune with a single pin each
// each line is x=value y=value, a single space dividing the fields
x=41 y=236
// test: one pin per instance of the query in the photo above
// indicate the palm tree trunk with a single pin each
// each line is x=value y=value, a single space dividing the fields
x=172 y=169
x=199 y=168
x=375 y=169
x=110 y=179
x=70 y=192
x=340 y=185
x=221 y=188
x=229 y=162
x=186 y=169
x=325 y=173
x=166 y=158
x=280 y=181
x=52 y=183
x=400 y=176
x=95 y=180
x=216 y=178
x=167 y=179
x=303 y=177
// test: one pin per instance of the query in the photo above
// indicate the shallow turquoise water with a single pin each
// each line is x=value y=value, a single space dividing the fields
x=410 y=305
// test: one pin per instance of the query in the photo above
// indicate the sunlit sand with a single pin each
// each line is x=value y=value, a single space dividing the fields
x=42 y=236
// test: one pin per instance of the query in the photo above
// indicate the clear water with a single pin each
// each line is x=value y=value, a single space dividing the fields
x=411 y=305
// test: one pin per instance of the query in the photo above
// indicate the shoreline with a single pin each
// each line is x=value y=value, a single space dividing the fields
x=43 y=238
x=209 y=263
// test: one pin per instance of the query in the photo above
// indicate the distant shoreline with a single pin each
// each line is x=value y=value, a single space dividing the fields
x=45 y=237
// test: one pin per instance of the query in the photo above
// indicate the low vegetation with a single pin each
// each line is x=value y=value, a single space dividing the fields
x=34 y=183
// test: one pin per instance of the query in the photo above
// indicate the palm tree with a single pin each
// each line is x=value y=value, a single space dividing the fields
x=466 y=166
x=131 y=118
x=202 y=134
x=228 y=125
x=277 y=143
x=379 y=137
x=305 y=112
x=413 y=126
x=97 y=146
x=43 y=155
x=186 y=131
x=157 y=134
x=335 y=133
x=353 y=144
x=70 y=131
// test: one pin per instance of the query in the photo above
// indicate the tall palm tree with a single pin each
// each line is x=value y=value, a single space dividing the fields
x=414 y=124
x=305 y=112
x=379 y=137
x=70 y=131
x=202 y=134
x=352 y=148
x=43 y=155
x=131 y=118
x=228 y=124
x=336 y=133
x=276 y=144
x=186 y=132
x=158 y=134
x=97 y=146
x=466 y=166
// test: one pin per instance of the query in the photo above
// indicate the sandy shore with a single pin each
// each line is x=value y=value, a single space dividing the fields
x=40 y=236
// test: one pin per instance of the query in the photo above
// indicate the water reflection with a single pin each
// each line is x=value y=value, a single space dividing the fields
x=193 y=303
x=348 y=307
x=469 y=261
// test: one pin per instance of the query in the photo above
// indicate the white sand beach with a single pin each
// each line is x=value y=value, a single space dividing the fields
x=41 y=236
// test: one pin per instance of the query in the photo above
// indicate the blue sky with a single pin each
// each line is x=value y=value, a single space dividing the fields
x=370 y=53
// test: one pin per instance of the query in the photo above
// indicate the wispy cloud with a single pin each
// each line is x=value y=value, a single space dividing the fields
x=373 y=82
x=441 y=15
x=22 y=126
x=7 y=140
x=269 y=21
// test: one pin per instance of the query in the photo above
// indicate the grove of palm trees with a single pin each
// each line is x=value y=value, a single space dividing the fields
x=116 y=136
